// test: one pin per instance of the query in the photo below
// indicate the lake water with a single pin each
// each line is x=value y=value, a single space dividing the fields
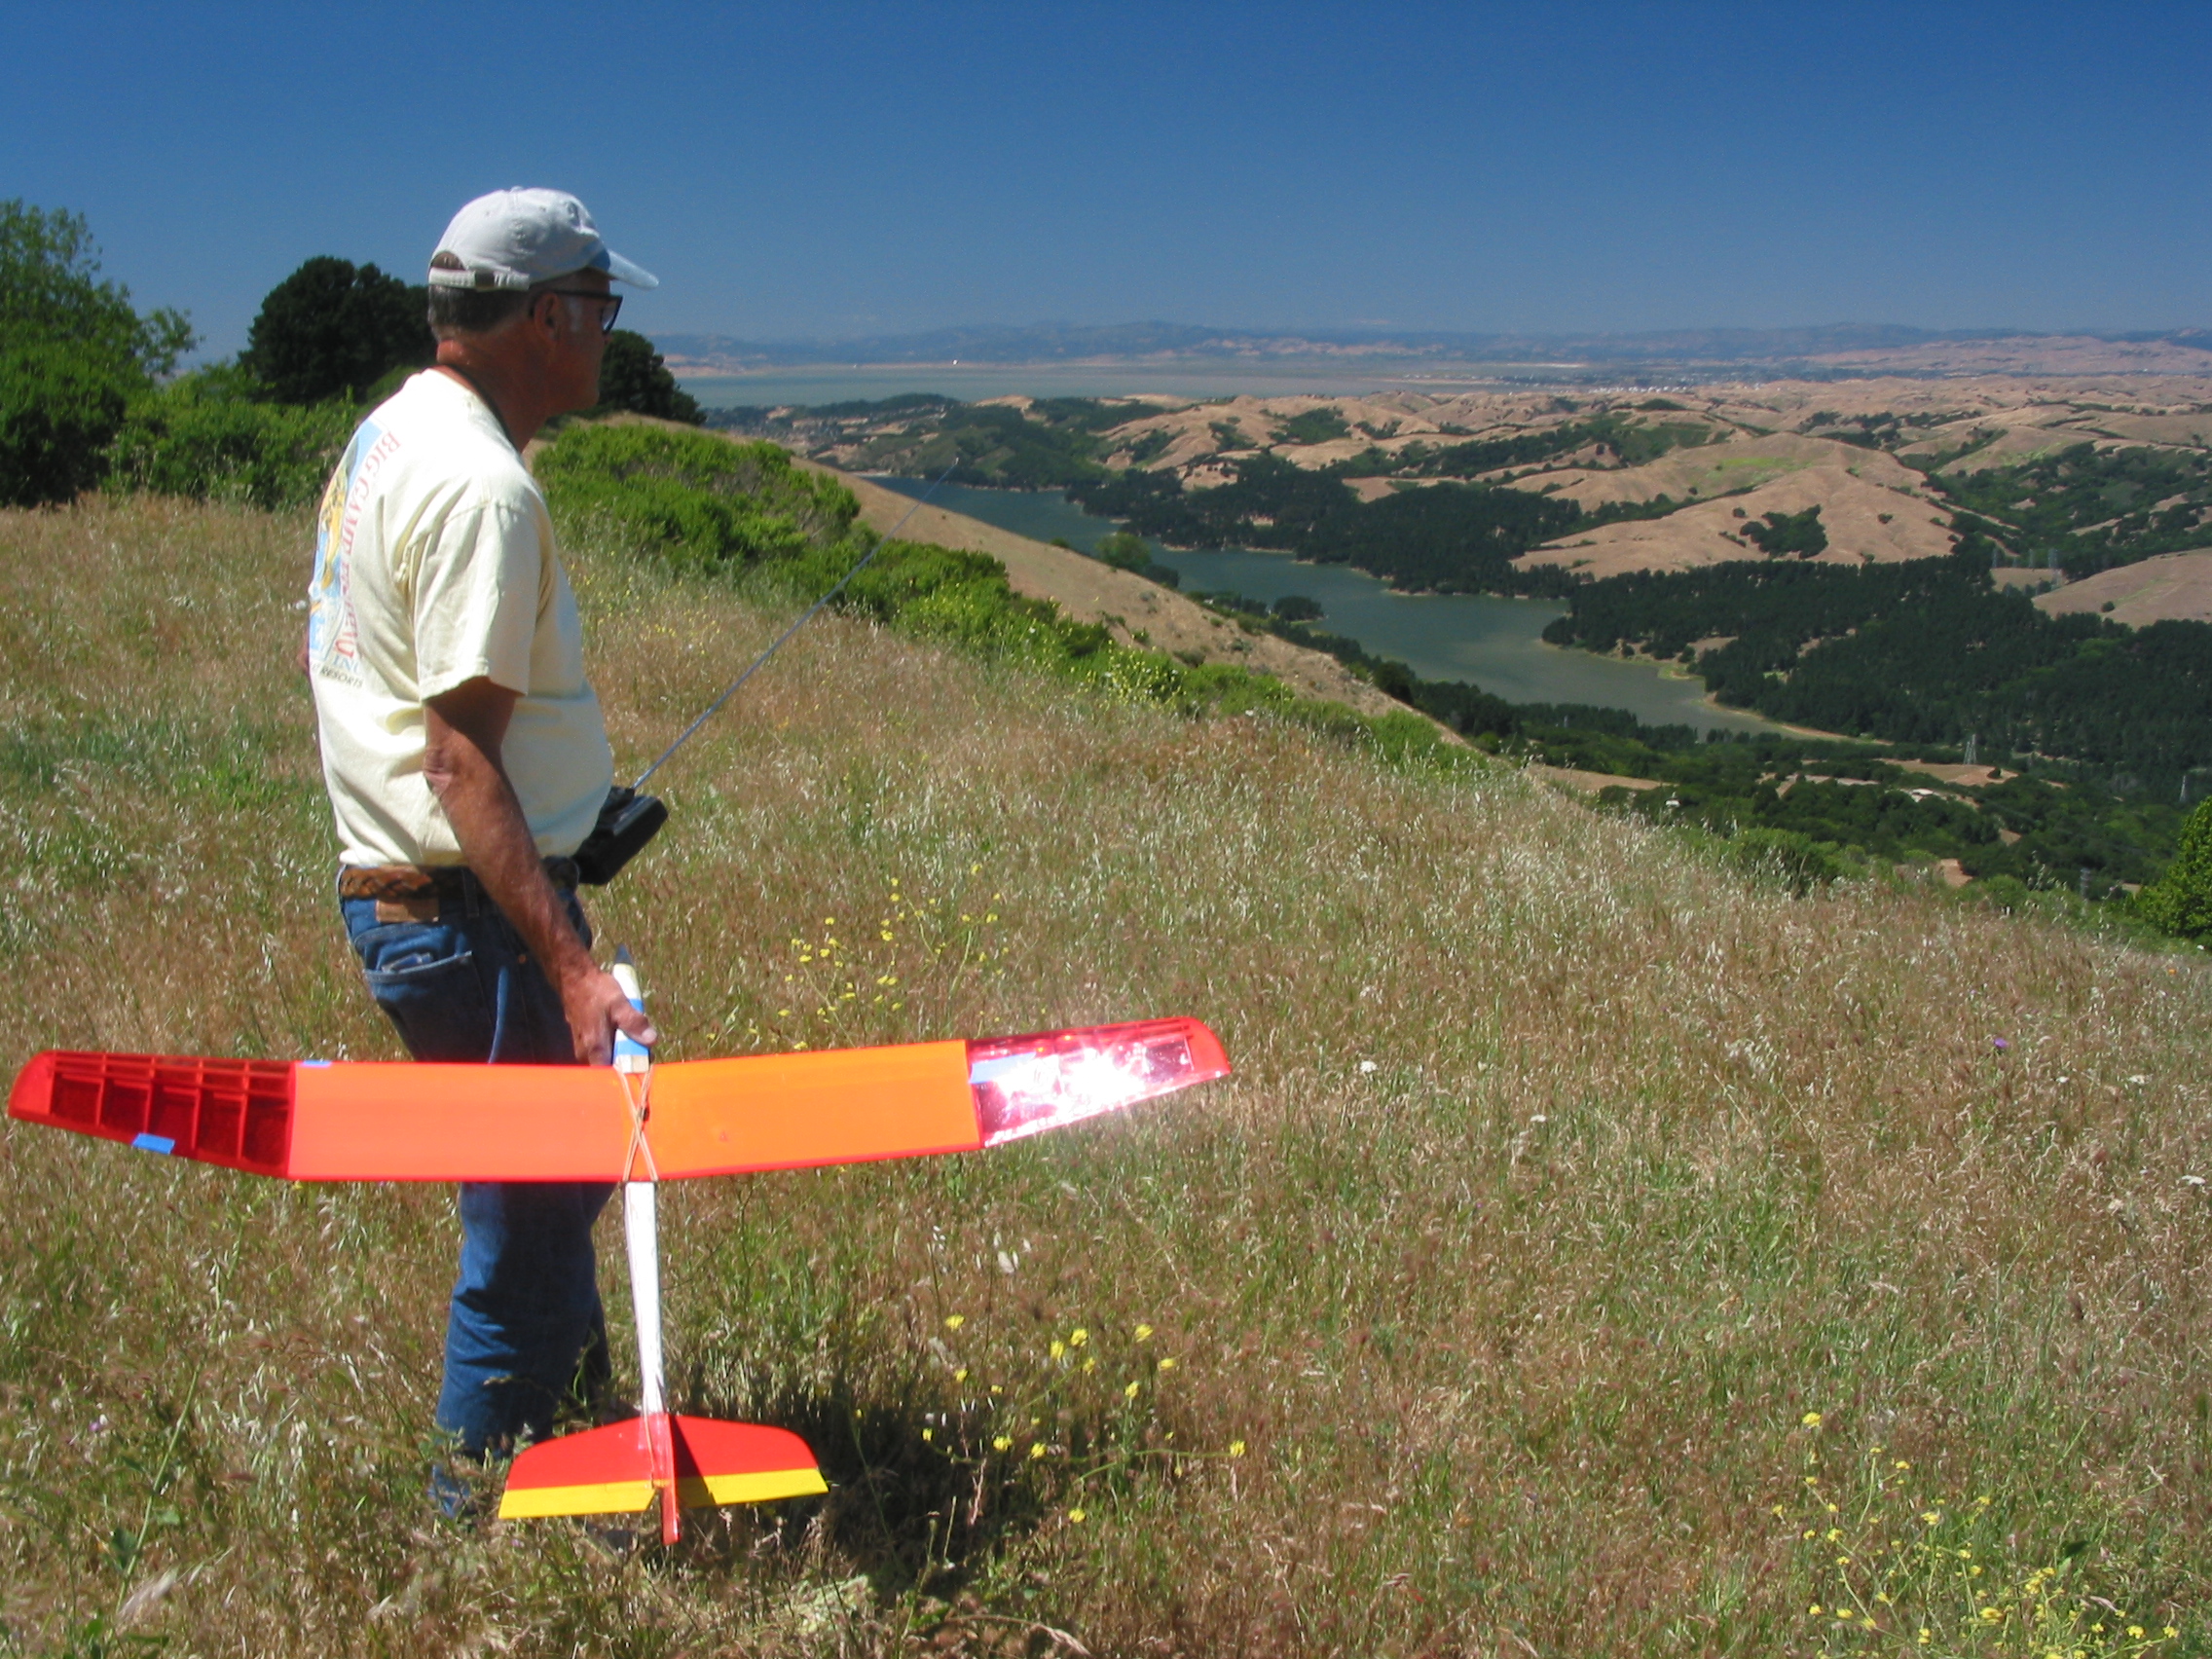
x=1495 y=643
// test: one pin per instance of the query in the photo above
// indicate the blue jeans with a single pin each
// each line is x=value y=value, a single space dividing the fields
x=525 y=1331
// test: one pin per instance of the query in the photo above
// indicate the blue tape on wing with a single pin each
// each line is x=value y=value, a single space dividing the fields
x=154 y=1143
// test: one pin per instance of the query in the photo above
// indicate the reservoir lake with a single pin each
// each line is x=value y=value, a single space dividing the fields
x=1495 y=643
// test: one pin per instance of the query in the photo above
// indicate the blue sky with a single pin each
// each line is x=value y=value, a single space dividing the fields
x=822 y=169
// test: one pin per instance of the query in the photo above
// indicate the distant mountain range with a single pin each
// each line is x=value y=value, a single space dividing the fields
x=1838 y=347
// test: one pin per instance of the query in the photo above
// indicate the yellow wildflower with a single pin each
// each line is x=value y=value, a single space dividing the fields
x=1811 y=1419
x=1144 y=1333
x=961 y=1375
x=1036 y=1451
x=1076 y=1515
x=1058 y=1347
x=1077 y=1336
x=1131 y=1391
x=1001 y=1441
x=1237 y=1448
x=1168 y=1362
x=953 y=1321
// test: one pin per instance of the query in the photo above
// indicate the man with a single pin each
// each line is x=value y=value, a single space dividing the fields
x=466 y=760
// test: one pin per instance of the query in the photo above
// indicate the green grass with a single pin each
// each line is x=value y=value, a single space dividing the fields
x=1564 y=1173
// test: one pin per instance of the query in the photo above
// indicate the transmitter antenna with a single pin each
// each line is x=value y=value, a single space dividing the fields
x=760 y=662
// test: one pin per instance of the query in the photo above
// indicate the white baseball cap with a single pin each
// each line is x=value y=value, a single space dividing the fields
x=511 y=239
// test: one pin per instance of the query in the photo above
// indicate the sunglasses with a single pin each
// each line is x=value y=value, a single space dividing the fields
x=610 y=305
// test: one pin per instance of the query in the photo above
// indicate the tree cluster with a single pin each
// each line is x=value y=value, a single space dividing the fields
x=2088 y=510
x=1923 y=651
x=1441 y=538
x=1799 y=533
x=74 y=353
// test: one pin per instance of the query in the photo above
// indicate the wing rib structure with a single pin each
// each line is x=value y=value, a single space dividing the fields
x=352 y=1121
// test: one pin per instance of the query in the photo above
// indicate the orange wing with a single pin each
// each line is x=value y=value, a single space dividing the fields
x=321 y=1120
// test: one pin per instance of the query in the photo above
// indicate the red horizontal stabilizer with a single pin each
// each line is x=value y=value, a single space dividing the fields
x=350 y=1120
x=609 y=1471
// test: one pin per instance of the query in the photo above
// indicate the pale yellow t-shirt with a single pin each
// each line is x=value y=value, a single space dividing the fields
x=435 y=565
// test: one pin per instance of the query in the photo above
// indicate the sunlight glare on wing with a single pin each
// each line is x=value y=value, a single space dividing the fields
x=1025 y=1085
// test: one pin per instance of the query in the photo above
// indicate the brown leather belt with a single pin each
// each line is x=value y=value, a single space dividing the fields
x=429 y=881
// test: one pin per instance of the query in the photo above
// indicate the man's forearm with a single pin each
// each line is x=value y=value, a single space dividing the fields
x=495 y=841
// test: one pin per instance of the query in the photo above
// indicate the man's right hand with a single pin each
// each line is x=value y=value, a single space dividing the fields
x=597 y=1007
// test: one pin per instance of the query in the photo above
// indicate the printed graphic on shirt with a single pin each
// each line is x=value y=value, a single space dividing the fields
x=333 y=634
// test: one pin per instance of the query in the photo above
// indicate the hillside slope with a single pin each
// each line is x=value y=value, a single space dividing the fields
x=1596 y=1252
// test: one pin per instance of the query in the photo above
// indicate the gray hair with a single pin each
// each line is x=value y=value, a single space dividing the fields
x=473 y=311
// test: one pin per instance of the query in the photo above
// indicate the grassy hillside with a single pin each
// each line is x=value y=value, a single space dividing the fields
x=1596 y=1252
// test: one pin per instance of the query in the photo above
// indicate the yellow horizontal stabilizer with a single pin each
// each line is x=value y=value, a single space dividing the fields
x=609 y=1498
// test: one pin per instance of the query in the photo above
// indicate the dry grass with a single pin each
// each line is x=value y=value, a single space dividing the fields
x=1564 y=1174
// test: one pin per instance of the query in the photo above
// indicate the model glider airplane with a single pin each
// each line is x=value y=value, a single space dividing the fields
x=638 y=1124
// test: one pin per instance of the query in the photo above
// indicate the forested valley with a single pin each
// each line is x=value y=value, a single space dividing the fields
x=2100 y=733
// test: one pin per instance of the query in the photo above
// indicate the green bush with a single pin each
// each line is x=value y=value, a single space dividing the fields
x=2180 y=901
x=205 y=438
x=73 y=351
x=1787 y=856
x=60 y=409
x=697 y=500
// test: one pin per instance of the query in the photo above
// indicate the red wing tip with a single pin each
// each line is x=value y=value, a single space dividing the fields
x=33 y=1088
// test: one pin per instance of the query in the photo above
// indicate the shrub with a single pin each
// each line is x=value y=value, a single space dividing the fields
x=72 y=353
x=60 y=406
x=205 y=438
x=697 y=500
x=1124 y=550
x=1787 y=856
x=2180 y=901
